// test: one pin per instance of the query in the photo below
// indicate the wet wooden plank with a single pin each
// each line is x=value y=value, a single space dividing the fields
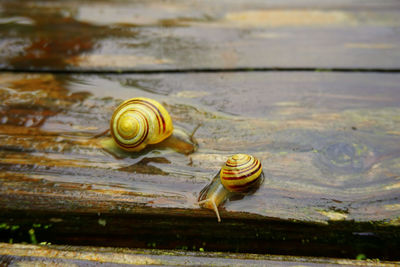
x=92 y=256
x=328 y=143
x=158 y=35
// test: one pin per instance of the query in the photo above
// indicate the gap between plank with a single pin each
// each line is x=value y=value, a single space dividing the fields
x=198 y=70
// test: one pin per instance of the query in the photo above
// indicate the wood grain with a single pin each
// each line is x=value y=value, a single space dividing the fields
x=175 y=35
x=91 y=256
x=328 y=143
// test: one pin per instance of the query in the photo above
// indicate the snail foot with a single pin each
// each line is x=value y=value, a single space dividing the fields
x=109 y=145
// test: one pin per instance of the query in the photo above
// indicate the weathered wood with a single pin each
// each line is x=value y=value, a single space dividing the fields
x=158 y=35
x=175 y=230
x=91 y=256
x=328 y=143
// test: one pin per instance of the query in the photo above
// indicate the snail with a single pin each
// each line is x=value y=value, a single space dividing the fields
x=140 y=122
x=240 y=175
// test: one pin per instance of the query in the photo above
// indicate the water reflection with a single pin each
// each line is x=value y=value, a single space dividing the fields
x=53 y=39
x=48 y=125
x=143 y=166
x=29 y=100
x=64 y=35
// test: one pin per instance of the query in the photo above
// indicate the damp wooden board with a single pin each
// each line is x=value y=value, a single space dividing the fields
x=328 y=142
x=91 y=256
x=179 y=35
x=18 y=254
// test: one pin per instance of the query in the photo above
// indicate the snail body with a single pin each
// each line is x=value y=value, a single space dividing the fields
x=240 y=174
x=138 y=122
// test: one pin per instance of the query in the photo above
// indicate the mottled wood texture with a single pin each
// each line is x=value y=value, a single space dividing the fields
x=134 y=35
x=23 y=255
x=328 y=141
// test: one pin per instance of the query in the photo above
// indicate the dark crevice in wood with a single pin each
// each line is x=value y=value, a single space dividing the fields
x=196 y=70
x=345 y=239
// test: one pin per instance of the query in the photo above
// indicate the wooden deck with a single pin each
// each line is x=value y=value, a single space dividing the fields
x=311 y=88
x=31 y=255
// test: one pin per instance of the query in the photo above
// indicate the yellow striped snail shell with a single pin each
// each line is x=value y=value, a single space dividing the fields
x=138 y=122
x=240 y=174
x=141 y=121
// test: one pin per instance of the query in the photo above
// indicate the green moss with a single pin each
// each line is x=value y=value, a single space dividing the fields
x=4 y=226
x=32 y=235
x=361 y=257
x=102 y=222
x=153 y=245
x=14 y=227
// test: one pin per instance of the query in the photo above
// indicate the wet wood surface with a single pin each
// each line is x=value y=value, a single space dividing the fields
x=328 y=140
x=169 y=35
x=328 y=143
x=23 y=255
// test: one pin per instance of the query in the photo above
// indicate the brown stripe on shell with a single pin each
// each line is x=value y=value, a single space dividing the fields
x=142 y=138
x=153 y=107
x=243 y=176
x=238 y=171
x=229 y=164
x=244 y=186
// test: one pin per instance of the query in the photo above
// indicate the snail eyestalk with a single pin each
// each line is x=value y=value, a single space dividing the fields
x=213 y=206
x=194 y=131
x=180 y=141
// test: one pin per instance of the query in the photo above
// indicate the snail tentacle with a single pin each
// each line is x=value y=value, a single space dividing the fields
x=194 y=131
x=214 y=206
x=216 y=210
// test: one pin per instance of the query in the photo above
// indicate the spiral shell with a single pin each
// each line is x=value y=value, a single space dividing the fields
x=240 y=172
x=138 y=122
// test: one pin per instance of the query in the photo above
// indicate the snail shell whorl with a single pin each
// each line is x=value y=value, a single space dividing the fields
x=138 y=122
x=240 y=172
